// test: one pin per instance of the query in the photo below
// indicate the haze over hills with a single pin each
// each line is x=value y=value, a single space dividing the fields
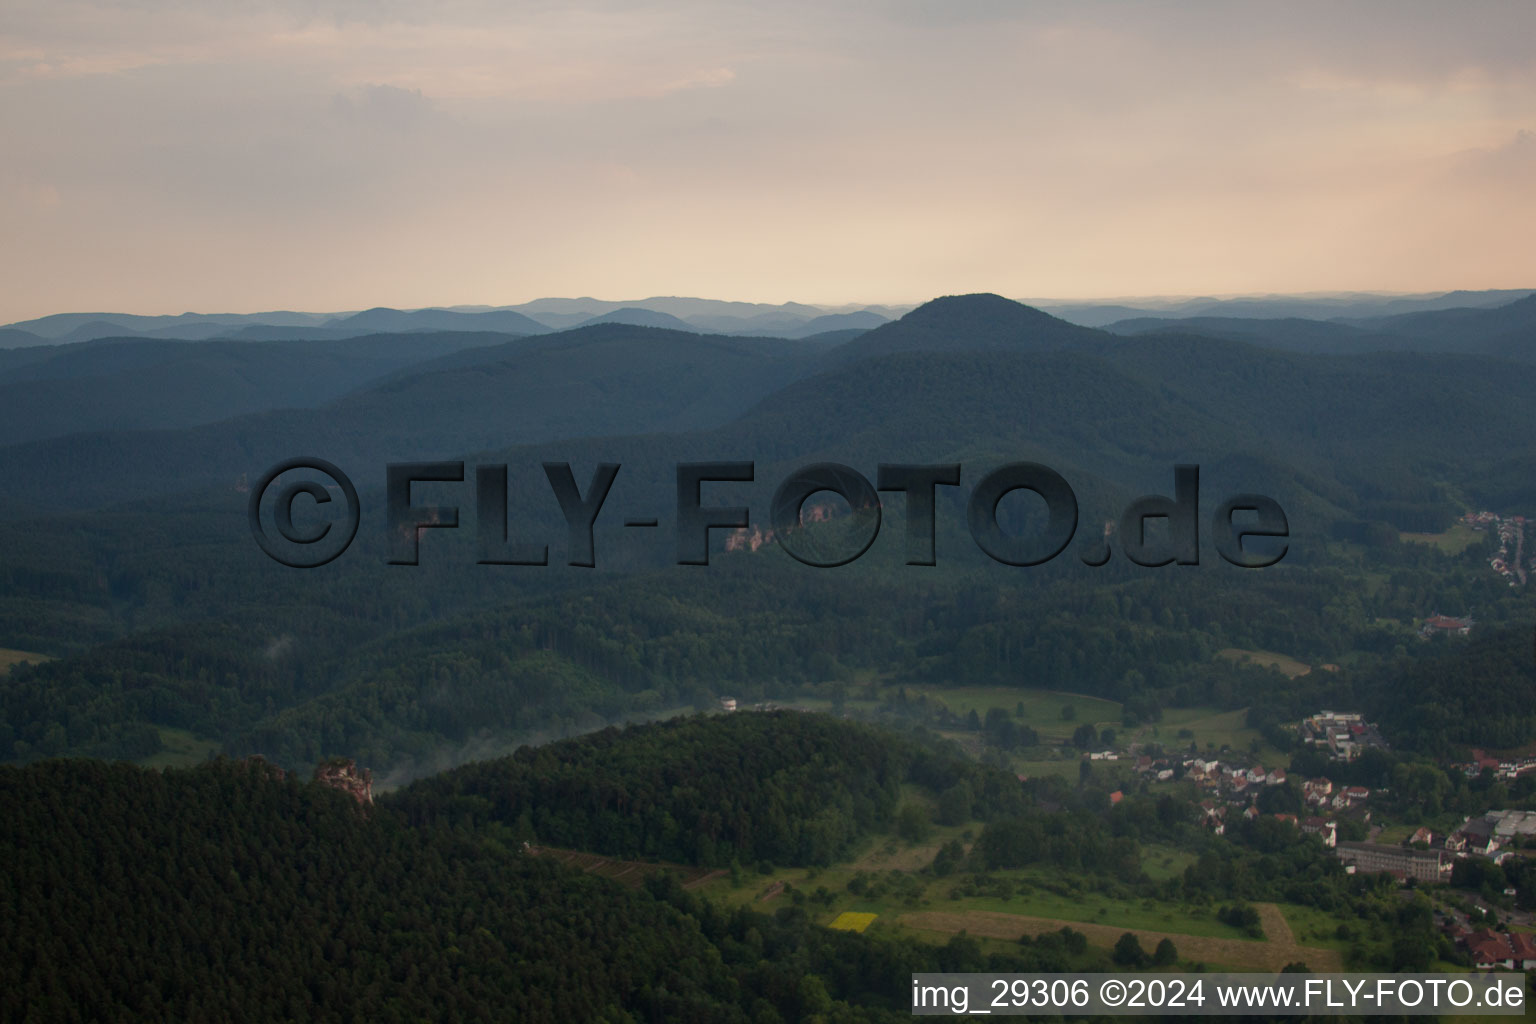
x=140 y=384
x=790 y=319
x=129 y=552
x=905 y=381
x=1507 y=331
x=1342 y=305
x=605 y=379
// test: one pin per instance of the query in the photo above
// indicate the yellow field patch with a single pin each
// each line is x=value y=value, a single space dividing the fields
x=849 y=921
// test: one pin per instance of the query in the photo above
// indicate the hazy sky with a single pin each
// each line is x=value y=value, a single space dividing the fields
x=166 y=155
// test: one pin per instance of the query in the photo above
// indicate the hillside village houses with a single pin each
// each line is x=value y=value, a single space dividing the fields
x=1232 y=790
x=1510 y=561
x=1506 y=768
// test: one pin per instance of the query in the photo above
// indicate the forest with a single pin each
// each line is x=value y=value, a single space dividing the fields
x=236 y=890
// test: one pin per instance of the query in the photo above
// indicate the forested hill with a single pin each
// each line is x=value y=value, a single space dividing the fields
x=969 y=323
x=224 y=893
x=233 y=892
x=164 y=615
x=784 y=787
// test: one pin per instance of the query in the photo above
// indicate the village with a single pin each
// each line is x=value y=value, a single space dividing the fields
x=1333 y=811
x=1510 y=561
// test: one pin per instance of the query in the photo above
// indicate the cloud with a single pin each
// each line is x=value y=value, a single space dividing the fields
x=341 y=154
x=1511 y=165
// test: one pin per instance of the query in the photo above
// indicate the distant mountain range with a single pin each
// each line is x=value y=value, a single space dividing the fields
x=789 y=320
x=710 y=316
x=1335 y=413
x=1507 y=331
x=1358 y=305
x=129 y=464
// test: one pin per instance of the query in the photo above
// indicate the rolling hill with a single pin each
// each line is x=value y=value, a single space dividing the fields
x=133 y=384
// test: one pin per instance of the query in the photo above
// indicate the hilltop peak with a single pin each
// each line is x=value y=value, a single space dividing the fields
x=973 y=303
x=977 y=322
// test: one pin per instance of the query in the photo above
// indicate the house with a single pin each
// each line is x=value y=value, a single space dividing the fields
x=1479 y=836
x=1523 y=948
x=727 y=703
x=1456 y=842
x=1291 y=818
x=1490 y=949
x=1356 y=794
x=1276 y=777
x=1480 y=762
x=1422 y=835
x=1446 y=624
x=1317 y=788
x=1116 y=797
x=1327 y=830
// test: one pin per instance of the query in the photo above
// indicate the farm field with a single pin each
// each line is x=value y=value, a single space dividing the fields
x=851 y=921
x=1043 y=901
x=1279 y=949
x=1285 y=663
x=1453 y=541
x=9 y=657
x=1042 y=708
x=1085 y=908
x=1210 y=729
x=890 y=892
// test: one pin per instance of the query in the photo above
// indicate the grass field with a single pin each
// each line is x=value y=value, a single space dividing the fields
x=9 y=657
x=903 y=901
x=1212 y=728
x=182 y=750
x=1064 y=768
x=1278 y=949
x=1042 y=708
x=1162 y=862
x=1094 y=908
x=1290 y=666
x=1209 y=728
x=1453 y=541
x=1314 y=927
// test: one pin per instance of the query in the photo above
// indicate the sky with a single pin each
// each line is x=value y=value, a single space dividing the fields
x=218 y=156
